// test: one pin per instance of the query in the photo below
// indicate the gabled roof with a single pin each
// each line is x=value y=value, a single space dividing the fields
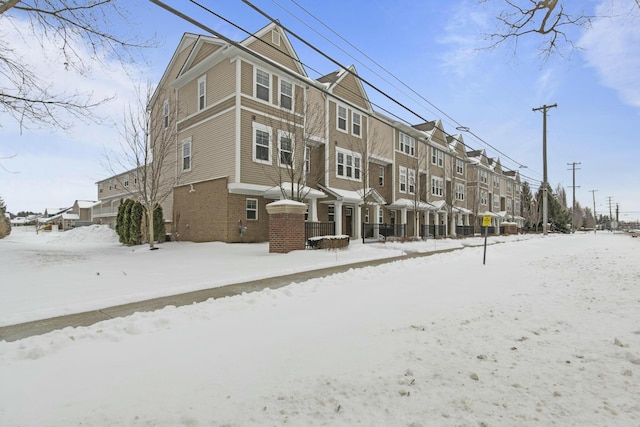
x=283 y=38
x=186 y=40
x=333 y=80
x=412 y=205
x=349 y=196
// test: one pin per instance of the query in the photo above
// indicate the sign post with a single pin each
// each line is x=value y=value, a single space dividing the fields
x=486 y=222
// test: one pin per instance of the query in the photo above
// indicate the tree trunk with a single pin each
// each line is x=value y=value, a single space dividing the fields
x=150 y=228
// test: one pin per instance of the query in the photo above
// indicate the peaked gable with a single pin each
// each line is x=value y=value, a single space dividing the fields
x=345 y=84
x=272 y=43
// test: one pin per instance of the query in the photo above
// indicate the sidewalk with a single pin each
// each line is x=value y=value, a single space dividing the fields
x=43 y=326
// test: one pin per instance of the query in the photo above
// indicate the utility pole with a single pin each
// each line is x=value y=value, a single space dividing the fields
x=573 y=210
x=617 y=215
x=610 y=214
x=595 y=217
x=545 y=182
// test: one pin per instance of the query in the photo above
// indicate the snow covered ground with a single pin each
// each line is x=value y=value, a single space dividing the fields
x=546 y=333
x=51 y=274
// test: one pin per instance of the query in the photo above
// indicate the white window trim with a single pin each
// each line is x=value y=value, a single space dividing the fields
x=202 y=79
x=381 y=176
x=165 y=113
x=402 y=179
x=459 y=166
x=411 y=176
x=255 y=84
x=280 y=93
x=353 y=155
x=460 y=192
x=355 y=114
x=246 y=206
x=346 y=118
x=407 y=142
x=307 y=160
x=187 y=142
x=267 y=129
x=275 y=37
x=437 y=190
x=484 y=198
x=282 y=133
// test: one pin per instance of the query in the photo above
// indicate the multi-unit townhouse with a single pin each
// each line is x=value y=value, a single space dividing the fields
x=250 y=126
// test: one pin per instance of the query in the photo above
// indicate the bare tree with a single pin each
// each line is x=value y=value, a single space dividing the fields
x=296 y=138
x=148 y=159
x=551 y=21
x=85 y=33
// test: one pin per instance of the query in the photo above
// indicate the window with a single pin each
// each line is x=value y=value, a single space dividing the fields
x=459 y=166
x=285 y=149
x=496 y=202
x=307 y=160
x=332 y=213
x=252 y=209
x=286 y=94
x=380 y=216
x=407 y=144
x=126 y=182
x=261 y=143
x=348 y=165
x=483 y=197
x=165 y=113
x=496 y=182
x=412 y=181
x=100 y=189
x=262 y=85
x=135 y=179
x=403 y=179
x=484 y=176
x=509 y=187
x=366 y=215
x=437 y=157
x=381 y=176
x=437 y=184
x=356 y=123
x=342 y=118
x=459 y=191
x=186 y=154
x=202 y=92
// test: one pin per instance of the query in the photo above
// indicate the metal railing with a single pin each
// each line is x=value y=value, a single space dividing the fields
x=315 y=229
x=375 y=232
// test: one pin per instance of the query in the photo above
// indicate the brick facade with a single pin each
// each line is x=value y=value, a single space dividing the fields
x=286 y=226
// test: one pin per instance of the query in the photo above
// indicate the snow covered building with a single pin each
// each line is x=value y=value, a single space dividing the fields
x=248 y=126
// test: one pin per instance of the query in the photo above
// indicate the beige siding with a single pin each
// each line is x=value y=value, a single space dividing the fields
x=349 y=90
x=381 y=139
x=206 y=50
x=279 y=54
x=213 y=149
x=220 y=85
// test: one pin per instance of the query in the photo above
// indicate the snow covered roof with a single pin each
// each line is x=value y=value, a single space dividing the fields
x=285 y=189
x=411 y=205
x=85 y=204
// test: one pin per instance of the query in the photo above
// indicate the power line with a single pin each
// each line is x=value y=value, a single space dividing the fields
x=289 y=72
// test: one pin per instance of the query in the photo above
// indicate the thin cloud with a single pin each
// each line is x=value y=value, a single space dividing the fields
x=612 y=47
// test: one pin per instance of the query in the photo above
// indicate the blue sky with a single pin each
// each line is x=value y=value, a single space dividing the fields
x=431 y=46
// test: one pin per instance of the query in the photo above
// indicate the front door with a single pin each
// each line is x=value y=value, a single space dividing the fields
x=348 y=224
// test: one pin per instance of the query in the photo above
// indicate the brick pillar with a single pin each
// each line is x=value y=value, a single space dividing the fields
x=286 y=226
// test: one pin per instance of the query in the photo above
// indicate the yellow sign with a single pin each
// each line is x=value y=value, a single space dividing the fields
x=486 y=221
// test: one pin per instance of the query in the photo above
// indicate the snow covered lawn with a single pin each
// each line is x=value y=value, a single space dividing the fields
x=546 y=333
